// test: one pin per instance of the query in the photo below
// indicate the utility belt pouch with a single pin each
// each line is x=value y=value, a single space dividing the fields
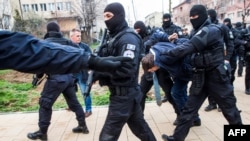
x=198 y=81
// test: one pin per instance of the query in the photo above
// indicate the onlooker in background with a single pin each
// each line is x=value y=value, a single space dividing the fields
x=54 y=86
x=82 y=76
x=185 y=33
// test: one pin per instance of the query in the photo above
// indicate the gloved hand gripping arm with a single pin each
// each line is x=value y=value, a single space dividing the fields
x=109 y=64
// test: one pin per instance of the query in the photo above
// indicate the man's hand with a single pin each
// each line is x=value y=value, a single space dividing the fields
x=107 y=64
x=173 y=37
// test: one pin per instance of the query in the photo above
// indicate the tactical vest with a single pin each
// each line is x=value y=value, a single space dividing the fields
x=109 y=49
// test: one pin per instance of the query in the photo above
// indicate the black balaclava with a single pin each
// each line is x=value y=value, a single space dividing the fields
x=238 y=24
x=53 y=26
x=212 y=15
x=229 y=24
x=166 y=24
x=114 y=23
x=201 y=11
x=142 y=27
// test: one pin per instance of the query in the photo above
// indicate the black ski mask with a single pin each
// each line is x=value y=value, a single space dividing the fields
x=143 y=29
x=201 y=11
x=212 y=15
x=166 y=24
x=118 y=18
x=228 y=21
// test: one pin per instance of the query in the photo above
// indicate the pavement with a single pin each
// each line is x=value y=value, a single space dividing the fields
x=15 y=126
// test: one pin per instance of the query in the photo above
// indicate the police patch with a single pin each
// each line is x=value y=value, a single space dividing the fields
x=130 y=47
x=129 y=53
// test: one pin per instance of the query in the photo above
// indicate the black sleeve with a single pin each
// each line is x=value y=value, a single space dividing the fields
x=25 y=53
x=229 y=43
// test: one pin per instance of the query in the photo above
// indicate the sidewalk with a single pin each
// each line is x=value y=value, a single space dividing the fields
x=14 y=127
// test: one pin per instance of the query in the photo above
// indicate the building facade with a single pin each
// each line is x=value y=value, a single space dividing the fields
x=84 y=14
x=6 y=21
x=233 y=9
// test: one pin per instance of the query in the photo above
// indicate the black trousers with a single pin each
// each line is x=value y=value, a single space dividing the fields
x=54 y=86
x=218 y=85
x=247 y=76
x=146 y=84
x=126 y=109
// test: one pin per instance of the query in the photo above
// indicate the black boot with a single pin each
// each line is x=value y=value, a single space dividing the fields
x=167 y=138
x=81 y=128
x=165 y=99
x=37 y=135
x=210 y=108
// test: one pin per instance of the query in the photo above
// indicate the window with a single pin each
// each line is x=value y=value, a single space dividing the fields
x=181 y=9
x=51 y=6
x=239 y=13
x=43 y=6
x=68 y=6
x=34 y=7
x=59 y=6
x=25 y=8
x=230 y=15
x=6 y=21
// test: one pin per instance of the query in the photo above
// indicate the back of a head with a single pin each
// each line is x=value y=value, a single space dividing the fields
x=140 y=25
x=166 y=16
x=227 y=22
x=212 y=14
x=238 y=24
x=53 y=26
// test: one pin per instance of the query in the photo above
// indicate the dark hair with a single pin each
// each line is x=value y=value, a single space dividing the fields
x=147 y=62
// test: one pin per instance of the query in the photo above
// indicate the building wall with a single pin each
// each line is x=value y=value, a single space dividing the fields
x=225 y=9
x=6 y=20
x=154 y=19
x=180 y=15
x=66 y=14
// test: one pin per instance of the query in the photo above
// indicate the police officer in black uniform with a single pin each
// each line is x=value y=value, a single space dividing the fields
x=54 y=86
x=229 y=44
x=125 y=93
x=240 y=49
x=210 y=76
x=233 y=34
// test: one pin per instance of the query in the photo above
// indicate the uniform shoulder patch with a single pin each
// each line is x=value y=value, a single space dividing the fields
x=129 y=53
x=130 y=47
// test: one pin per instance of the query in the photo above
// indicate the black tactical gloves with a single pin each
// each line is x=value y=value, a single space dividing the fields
x=109 y=64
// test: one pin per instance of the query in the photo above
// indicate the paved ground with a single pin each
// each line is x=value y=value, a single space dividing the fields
x=15 y=126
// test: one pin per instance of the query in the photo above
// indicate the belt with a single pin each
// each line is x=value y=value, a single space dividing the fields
x=118 y=91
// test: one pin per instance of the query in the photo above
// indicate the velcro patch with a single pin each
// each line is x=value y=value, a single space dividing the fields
x=130 y=47
x=129 y=53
